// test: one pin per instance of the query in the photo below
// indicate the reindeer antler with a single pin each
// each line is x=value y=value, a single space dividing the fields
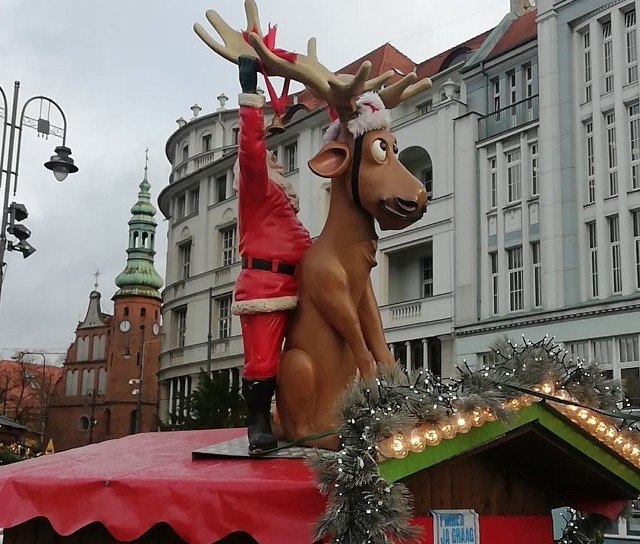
x=234 y=42
x=403 y=89
x=340 y=91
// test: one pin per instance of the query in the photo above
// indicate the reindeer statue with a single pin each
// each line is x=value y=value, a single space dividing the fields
x=336 y=331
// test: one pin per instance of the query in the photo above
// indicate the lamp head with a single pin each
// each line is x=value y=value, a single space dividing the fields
x=61 y=164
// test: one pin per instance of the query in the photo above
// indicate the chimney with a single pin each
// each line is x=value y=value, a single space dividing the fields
x=196 y=110
x=522 y=7
x=181 y=122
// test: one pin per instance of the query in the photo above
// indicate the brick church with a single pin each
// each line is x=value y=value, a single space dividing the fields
x=109 y=387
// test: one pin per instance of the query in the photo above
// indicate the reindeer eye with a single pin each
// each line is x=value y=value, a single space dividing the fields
x=379 y=150
x=395 y=148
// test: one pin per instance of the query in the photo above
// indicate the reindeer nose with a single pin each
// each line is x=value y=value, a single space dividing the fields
x=408 y=206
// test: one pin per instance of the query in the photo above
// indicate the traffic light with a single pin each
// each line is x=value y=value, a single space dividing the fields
x=18 y=212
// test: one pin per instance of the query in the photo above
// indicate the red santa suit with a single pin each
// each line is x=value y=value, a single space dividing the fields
x=272 y=242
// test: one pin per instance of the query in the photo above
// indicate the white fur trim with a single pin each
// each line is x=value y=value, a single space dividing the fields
x=371 y=115
x=263 y=305
x=250 y=99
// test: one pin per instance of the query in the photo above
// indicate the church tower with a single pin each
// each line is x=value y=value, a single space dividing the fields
x=136 y=317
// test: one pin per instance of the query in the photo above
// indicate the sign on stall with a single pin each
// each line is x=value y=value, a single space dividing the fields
x=455 y=527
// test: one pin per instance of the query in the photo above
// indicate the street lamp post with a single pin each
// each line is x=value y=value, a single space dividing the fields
x=61 y=164
x=93 y=395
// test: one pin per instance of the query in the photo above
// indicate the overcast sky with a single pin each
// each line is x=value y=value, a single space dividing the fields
x=123 y=71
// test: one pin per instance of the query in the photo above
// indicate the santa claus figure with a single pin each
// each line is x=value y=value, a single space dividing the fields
x=272 y=241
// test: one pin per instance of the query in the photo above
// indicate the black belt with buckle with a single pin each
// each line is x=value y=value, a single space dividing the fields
x=252 y=263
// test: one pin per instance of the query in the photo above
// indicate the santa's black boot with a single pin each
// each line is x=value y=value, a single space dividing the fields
x=257 y=395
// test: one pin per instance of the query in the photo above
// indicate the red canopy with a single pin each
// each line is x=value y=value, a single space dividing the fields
x=132 y=483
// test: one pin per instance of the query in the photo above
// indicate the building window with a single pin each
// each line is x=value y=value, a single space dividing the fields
x=631 y=43
x=290 y=157
x=607 y=56
x=635 y=216
x=514 y=176
x=221 y=188
x=235 y=135
x=426 y=267
x=426 y=177
x=185 y=152
x=516 y=276
x=180 y=322
x=228 y=235
x=493 y=263
x=194 y=201
x=614 y=239
x=528 y=81
x=495 y=86
x=533 y=156
x=537 y=275
x=591 y=169
x=181 y=207
x=223 y=305
x=611 y=153
x=513 y=90
x=206 y=142
x=185 y=259
x=634 y=142
x=586 y=44
x=425 y=107
x=593 y=257
x=71 y=385
x=493 y=182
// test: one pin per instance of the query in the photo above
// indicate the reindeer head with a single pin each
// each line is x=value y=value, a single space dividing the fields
x=360 y=152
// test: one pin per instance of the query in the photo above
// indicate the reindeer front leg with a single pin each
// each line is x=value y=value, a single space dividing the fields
x=371 y=324
x=336 y=306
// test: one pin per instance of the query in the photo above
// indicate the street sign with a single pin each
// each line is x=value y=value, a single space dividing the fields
x=50 y=448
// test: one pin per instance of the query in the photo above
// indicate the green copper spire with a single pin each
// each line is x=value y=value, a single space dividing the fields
x=139 y=277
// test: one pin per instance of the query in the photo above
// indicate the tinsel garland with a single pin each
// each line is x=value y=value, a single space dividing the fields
x=364 y=508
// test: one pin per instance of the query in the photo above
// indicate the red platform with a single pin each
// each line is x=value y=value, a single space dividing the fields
x=132 y=483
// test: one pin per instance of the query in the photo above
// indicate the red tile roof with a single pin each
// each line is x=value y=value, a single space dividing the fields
x=432 y=66
x=384 y=58
x=521 y=30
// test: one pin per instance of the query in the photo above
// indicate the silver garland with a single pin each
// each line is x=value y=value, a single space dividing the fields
x=364 y=508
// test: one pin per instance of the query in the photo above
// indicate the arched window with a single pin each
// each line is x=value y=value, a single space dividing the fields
x=135 y=239
x=71 y=385
x=145 y=240
x=418 y=161
x=82 y=350
x=88 y=380
x=206 y=142
x=102 y=380
x=107 y=422
x=143 y=312
x=98 y=347
x=126 y=311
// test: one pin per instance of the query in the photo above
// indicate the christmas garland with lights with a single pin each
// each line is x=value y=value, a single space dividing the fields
x=392 y=416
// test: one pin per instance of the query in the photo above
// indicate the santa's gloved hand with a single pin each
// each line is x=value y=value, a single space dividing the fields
x=248 y=71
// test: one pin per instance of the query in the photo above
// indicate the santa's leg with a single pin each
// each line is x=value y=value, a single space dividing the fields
x=262 y=336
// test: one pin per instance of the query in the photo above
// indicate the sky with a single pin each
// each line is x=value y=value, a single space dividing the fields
x=123 y=71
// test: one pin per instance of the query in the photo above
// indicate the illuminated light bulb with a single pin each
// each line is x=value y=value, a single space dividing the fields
x=511 y=404
x=572 y=408
x=431 y=435
x=563 y=394
x=399 y=446
x=526 y=400
x=626 y=448
x=548 y=388
x=416 y=441
x=447 y=430
x=463 y=423
x=601 y=429
x=489 y=414
x=477 y=417
x=611 y=433
x=618 y=441
x=592 y=421
x=583 y=414
x=634 y=454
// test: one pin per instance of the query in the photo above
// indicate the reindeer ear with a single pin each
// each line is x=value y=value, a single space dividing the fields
x=331 y=161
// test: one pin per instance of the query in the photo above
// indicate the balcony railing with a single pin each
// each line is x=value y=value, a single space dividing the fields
x=509 y=118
